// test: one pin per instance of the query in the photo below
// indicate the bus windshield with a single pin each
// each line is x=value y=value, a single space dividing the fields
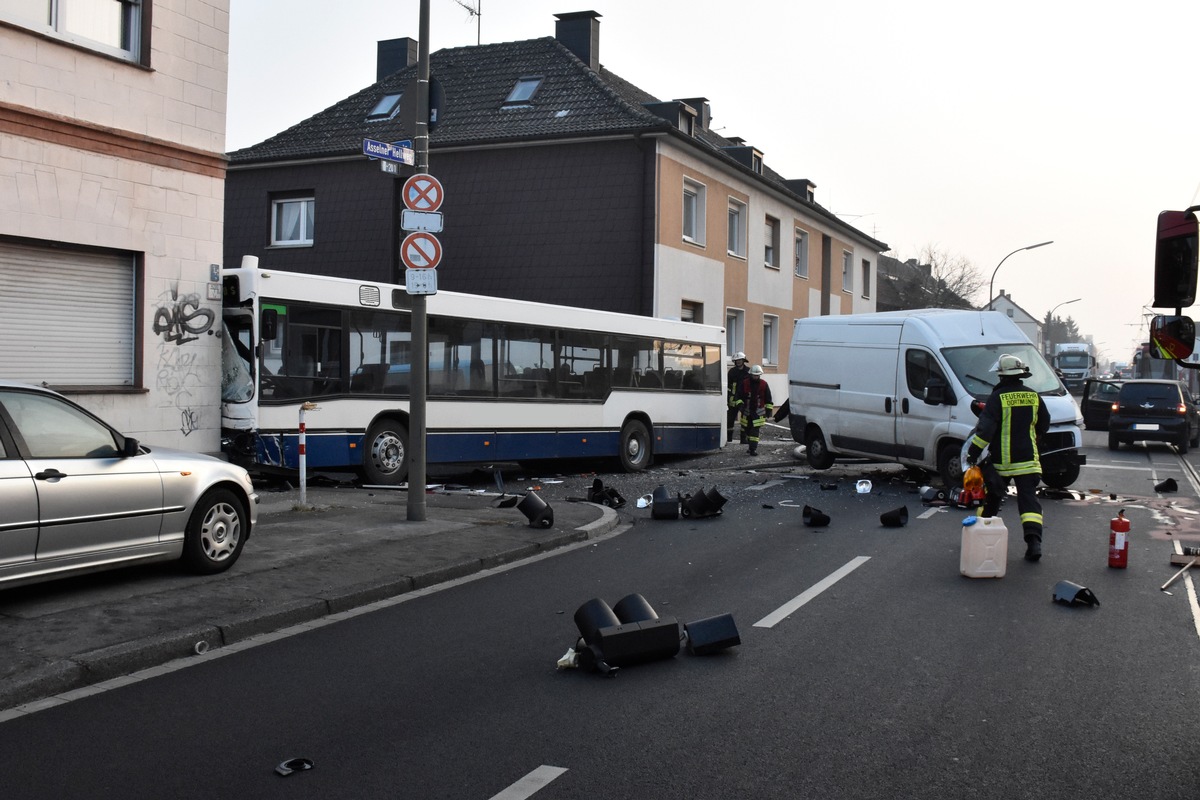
x=975 y=367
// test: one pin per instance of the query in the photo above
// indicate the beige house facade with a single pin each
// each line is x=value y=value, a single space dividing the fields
x=112 y=168
x=732 y=252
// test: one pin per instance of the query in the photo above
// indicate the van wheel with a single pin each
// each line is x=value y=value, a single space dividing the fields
x=1113 y=441
x=385 y=453
x=1182 y=444
x=1195 y=440
x=819 y=456
x=950 y=465
x=1063 y=478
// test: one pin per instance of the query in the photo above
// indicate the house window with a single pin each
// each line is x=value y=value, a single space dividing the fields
x=737 y=228
x=292 y=221
x=386 y=108
x=801 y=260
x=691 y=312
x=847 y=271
x=523 y=91
x=113 y=27
x=693 y=212
x=771 y=247
x=866 y=278
x=735 y=331
x=770 y=353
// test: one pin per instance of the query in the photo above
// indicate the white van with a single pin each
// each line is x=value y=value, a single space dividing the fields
x=898 y=386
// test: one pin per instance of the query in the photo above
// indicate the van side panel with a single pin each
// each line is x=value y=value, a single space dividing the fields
x=834 y=384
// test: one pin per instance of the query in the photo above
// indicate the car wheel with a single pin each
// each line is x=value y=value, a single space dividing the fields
x=635 y=453
x=385 y=456
x=817 y=450
x=1061 y=479
x=216 y=533
x=1113 y=441
x=1182 y=444
x=950 y=464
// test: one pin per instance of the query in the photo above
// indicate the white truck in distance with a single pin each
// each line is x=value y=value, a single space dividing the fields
x=1075 y=363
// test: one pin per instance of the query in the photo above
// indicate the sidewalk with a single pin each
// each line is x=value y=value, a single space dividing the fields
x=348 y=547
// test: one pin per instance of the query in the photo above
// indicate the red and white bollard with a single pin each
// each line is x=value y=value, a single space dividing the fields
x=303 y=448
x=1118 y=541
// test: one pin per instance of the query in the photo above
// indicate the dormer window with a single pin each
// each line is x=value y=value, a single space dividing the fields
x=386 y=108
x=523 y=91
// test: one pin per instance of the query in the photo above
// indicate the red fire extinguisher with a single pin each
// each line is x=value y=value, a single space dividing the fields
x=1118 y=541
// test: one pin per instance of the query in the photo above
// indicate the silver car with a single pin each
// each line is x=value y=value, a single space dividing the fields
x=76 y=496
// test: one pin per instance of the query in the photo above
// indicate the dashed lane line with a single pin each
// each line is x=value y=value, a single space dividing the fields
x=784 y=611
x=530 y=784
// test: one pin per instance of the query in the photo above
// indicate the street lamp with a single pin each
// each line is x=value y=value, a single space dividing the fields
x=1050 y=316
x=997 y=269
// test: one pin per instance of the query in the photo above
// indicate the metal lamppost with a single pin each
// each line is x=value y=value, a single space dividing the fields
x=1050 y=316
x=997 y=269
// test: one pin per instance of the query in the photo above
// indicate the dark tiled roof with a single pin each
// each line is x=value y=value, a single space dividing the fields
x=571 y=100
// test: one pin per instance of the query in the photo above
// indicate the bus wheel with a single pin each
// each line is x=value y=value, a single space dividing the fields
x=635 y=446
x=385 y=460
x=816 y=449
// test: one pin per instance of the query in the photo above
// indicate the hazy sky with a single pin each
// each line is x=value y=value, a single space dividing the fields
x=975 y=128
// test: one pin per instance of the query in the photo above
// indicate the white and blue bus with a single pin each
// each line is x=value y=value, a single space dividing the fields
x=508 y=380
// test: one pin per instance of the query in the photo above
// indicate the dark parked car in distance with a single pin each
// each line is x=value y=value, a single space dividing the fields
x=1155 y=411
x=1099 y=394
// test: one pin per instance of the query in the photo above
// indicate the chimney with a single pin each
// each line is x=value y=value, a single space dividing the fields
x=579 y=32
x=393 y=55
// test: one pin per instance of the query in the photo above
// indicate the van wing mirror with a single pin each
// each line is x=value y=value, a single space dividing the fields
x=1175 y=259
x=938 y=393
x=1172 y=337
x=268 y=327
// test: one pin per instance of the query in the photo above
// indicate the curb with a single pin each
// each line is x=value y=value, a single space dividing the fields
x=37 y=688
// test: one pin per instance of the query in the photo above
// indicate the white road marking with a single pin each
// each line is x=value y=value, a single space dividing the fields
x=530 y=784
x=761 y=486
x=930 y=512
x=782 y=613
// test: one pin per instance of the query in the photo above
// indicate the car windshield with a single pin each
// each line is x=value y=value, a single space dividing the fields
x=975 y=367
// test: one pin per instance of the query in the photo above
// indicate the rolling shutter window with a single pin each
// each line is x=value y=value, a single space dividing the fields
x=66 y=317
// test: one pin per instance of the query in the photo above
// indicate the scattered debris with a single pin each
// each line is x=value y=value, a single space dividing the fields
x=815 y=518
x=294 y=765
x=896 y=518
x=1071 y=594
x=1176 y=576
x=1169 y=485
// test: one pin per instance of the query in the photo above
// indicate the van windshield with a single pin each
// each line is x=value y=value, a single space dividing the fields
x=975 y=367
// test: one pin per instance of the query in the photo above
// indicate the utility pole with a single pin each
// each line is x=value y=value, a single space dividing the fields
x=420 y=347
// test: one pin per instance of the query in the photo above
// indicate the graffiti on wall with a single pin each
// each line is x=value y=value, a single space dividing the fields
x=179 y=320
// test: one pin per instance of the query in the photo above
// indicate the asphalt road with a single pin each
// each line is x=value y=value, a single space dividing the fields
x=899 y=679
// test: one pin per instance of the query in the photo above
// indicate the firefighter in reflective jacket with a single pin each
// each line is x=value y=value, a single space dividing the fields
x=1009 y=426
x=737 y=373
x=753 y=399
